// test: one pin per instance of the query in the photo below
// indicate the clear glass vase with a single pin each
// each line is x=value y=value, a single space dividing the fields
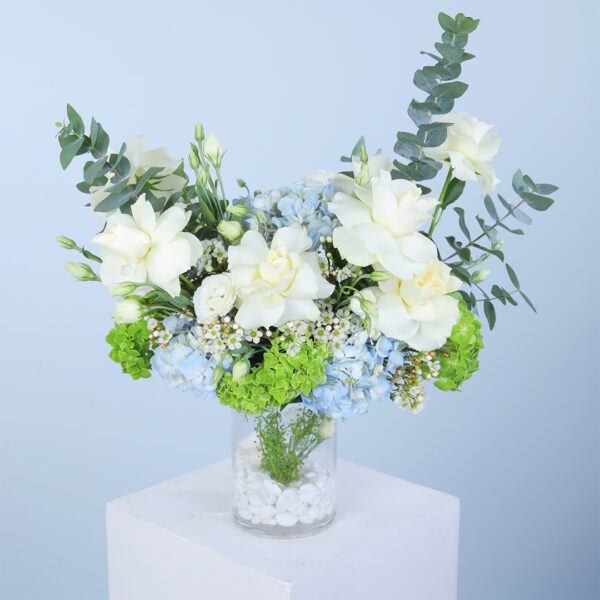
x=283 y=472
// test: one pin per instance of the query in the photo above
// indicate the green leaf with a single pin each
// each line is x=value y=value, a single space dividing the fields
x=407 y=145
x=536 y=201
x=498 y=292
x=114 y=200
x=453 y=192
x=489 y=206
x=454 y=89
x=100 y=142
x=446 y=22
x=461 y=221
x=515 y=231
x=512 y=275
x=462 y=274
x=545 y=188
x=521 y=216
x=529 y=302
x=449 y=53
x=490 y=313
x=433 y=134
x=94 y=170
x=75 y=120
x=70 y=145
x=148 y=174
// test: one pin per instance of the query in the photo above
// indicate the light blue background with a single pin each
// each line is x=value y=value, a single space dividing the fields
x=289 y=87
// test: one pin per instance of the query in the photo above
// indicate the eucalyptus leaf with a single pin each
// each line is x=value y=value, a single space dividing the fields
x=536 y=201
x=512 y=275
x=490 y=313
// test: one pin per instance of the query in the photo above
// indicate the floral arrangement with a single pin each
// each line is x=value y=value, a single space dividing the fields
x=332 y=293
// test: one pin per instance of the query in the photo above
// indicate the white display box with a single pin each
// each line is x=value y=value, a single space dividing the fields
x=391 y=539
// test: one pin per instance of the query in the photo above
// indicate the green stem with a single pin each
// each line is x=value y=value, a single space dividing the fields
x=439 y=209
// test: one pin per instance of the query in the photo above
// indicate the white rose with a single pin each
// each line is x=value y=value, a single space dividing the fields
x=145 y=247
x=276 y=284
x=419 y=311
x=362 y=173
x=468 y=148
x=141 y=158
x=127 y=311
x=379 y=225
x=214 y=298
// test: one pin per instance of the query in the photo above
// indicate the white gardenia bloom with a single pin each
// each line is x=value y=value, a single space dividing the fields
x=141 y=158
x=127 y=311
x=145 y=247
x=276 y=284
x=380 y=223
x=419 y=311
x=214 y=298
x=468 y=148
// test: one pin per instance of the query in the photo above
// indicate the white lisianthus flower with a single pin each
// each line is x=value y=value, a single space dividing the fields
x=379 y=225
x=145 y=247
x=276 y=284
x=214 y=298
x=419 y=311
x=468 y=148
x=141 y=158
x=127 y=311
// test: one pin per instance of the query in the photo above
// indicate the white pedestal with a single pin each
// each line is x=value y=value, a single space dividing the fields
x=176 y=541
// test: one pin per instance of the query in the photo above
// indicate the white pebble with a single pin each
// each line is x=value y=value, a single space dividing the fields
x=287 y=498
x=286 y=519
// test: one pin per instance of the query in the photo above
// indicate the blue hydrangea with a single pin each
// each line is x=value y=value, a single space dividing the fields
x=185 y=368
x=355 y=378
x=391 y=351
x=304 y=203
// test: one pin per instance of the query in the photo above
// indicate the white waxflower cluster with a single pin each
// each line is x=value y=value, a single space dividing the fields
x=159 y=336
x=219 y=337
x=332 y=328
x=214 y=258
x=348 y=271
x=408 y=390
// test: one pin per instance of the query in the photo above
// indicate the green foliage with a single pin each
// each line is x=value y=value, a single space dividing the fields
x=476 y=249
x=440 y=83
x=285 y=444
x=459 y=355
x=277 y=380
x=113 y=168
x=131 y=348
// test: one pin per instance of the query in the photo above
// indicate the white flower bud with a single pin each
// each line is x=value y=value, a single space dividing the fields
x=193 y=158
x=240 y=369
x=379 y=276
x=213 y=149
x=127 y=311
x=66 y=242
x=239 y=210
x=481 y=275
x=81 y=271
x=230 y=230
x=199 y=132
x=123 y=289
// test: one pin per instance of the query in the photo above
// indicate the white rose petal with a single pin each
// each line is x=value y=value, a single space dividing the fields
x=214 y=298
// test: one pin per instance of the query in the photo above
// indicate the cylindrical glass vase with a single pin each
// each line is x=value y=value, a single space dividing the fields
x=283 y=472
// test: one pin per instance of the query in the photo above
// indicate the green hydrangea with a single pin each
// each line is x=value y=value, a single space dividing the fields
x=459 y=355
x=277 y=380
x=131 y=348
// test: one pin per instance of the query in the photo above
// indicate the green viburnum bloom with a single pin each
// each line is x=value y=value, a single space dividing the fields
x=459 y=355
x=131 y=348
x=277 y=380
